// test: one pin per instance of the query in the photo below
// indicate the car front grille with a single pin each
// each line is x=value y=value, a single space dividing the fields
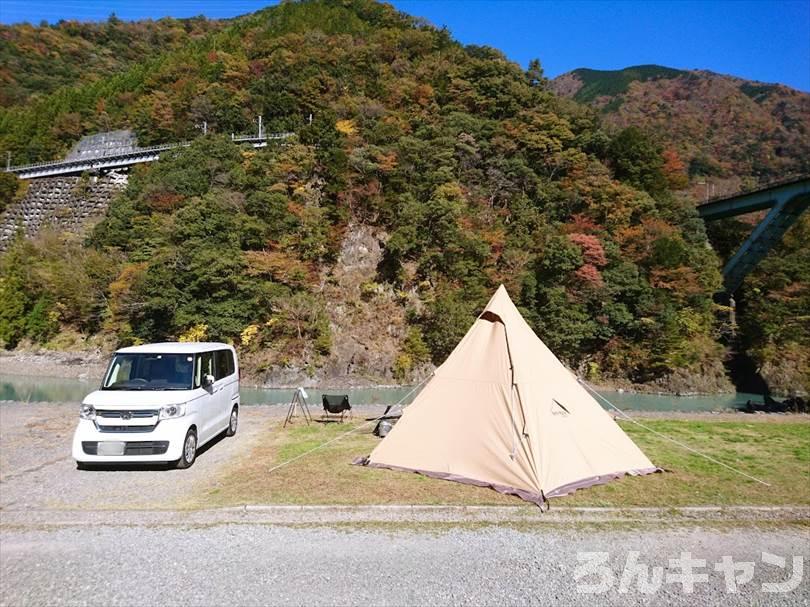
x=126 y=414
x=147 y=447
x=102 y=428
x=157 y=447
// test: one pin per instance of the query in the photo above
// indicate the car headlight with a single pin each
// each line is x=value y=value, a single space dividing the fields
x=87 y=412
x=172 y=411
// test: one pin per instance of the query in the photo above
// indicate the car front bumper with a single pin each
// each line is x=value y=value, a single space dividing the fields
x=162 y=444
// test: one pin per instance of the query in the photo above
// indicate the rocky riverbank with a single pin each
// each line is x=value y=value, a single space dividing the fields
x=88 y=365
x=91 y=364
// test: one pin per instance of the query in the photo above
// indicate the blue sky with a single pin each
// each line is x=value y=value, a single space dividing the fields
x=757 y=39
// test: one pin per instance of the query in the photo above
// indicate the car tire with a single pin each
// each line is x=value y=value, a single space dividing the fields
x=233 y=422
x=189 y=453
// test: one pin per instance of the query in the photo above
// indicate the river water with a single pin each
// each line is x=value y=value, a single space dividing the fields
x=50 y=389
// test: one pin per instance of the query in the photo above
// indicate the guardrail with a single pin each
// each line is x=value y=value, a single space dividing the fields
x=134 y=153
x=764 y=187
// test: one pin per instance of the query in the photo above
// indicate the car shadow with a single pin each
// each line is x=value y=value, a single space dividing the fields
x=118 y=467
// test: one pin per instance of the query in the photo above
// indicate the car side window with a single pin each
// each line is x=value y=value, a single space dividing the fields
x=231 y=366
x=204 y=366
x=224 y=363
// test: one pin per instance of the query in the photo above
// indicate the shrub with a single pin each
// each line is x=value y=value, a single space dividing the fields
x=198 y=332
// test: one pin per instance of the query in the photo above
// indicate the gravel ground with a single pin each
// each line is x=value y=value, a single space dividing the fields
x=279 y=565
x=37 y=470
x=63 y=541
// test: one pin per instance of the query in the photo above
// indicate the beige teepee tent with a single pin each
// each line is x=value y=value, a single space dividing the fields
x=503 y=412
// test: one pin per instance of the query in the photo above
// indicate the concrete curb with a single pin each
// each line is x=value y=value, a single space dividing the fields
x=401 y=514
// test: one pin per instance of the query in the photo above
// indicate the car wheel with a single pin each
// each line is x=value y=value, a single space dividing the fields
x=189 y=450
x=233 y=423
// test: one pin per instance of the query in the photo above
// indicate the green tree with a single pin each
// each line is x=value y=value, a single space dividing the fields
x=637 y=160
x=536 y=75
x=447 y=320
x=17 y=297
x=9 y=185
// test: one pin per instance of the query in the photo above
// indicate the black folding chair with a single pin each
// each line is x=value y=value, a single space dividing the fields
x=335 y=404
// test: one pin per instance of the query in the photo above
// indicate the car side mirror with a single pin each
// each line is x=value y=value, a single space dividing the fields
x=208 y=380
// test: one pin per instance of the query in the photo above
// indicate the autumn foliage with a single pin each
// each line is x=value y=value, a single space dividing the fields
x=474 y=172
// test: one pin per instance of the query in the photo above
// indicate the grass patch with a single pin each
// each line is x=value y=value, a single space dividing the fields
x=778 y=453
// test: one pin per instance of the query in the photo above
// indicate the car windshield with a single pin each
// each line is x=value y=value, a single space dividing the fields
x=150 y=372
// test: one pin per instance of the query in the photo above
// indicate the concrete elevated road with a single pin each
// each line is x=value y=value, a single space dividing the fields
x=122 y=160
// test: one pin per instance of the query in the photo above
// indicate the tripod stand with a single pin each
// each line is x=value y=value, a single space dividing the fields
x=299 y=399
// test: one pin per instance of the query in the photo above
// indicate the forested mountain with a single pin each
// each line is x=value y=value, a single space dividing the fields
x=423 y=174
x=35 y=61
x=736 y=133
x=719 y=135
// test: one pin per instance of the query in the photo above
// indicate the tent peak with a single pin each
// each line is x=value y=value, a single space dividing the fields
x=515 y=438
x=500 y=302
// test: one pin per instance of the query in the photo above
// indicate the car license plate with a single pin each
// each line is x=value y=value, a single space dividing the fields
x=111 y=448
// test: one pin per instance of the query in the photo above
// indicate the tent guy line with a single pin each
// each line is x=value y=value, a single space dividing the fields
x=672 y=440
x=499 y=377
x=582 y=381
x=563 y=447
x=353 y=430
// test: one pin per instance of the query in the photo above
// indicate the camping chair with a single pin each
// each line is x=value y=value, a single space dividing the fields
x=335 y=404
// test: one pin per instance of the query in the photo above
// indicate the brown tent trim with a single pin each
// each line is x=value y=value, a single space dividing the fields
x=538 y=499
x=519 y=376
x=598 y=480
x=534 y=498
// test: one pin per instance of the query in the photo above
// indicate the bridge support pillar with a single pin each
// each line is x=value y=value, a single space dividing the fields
x=767 y=233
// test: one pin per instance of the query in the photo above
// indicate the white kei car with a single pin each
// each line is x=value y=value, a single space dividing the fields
x=159 y=403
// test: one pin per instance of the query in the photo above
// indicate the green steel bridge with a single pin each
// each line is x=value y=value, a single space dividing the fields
x=786 y=200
